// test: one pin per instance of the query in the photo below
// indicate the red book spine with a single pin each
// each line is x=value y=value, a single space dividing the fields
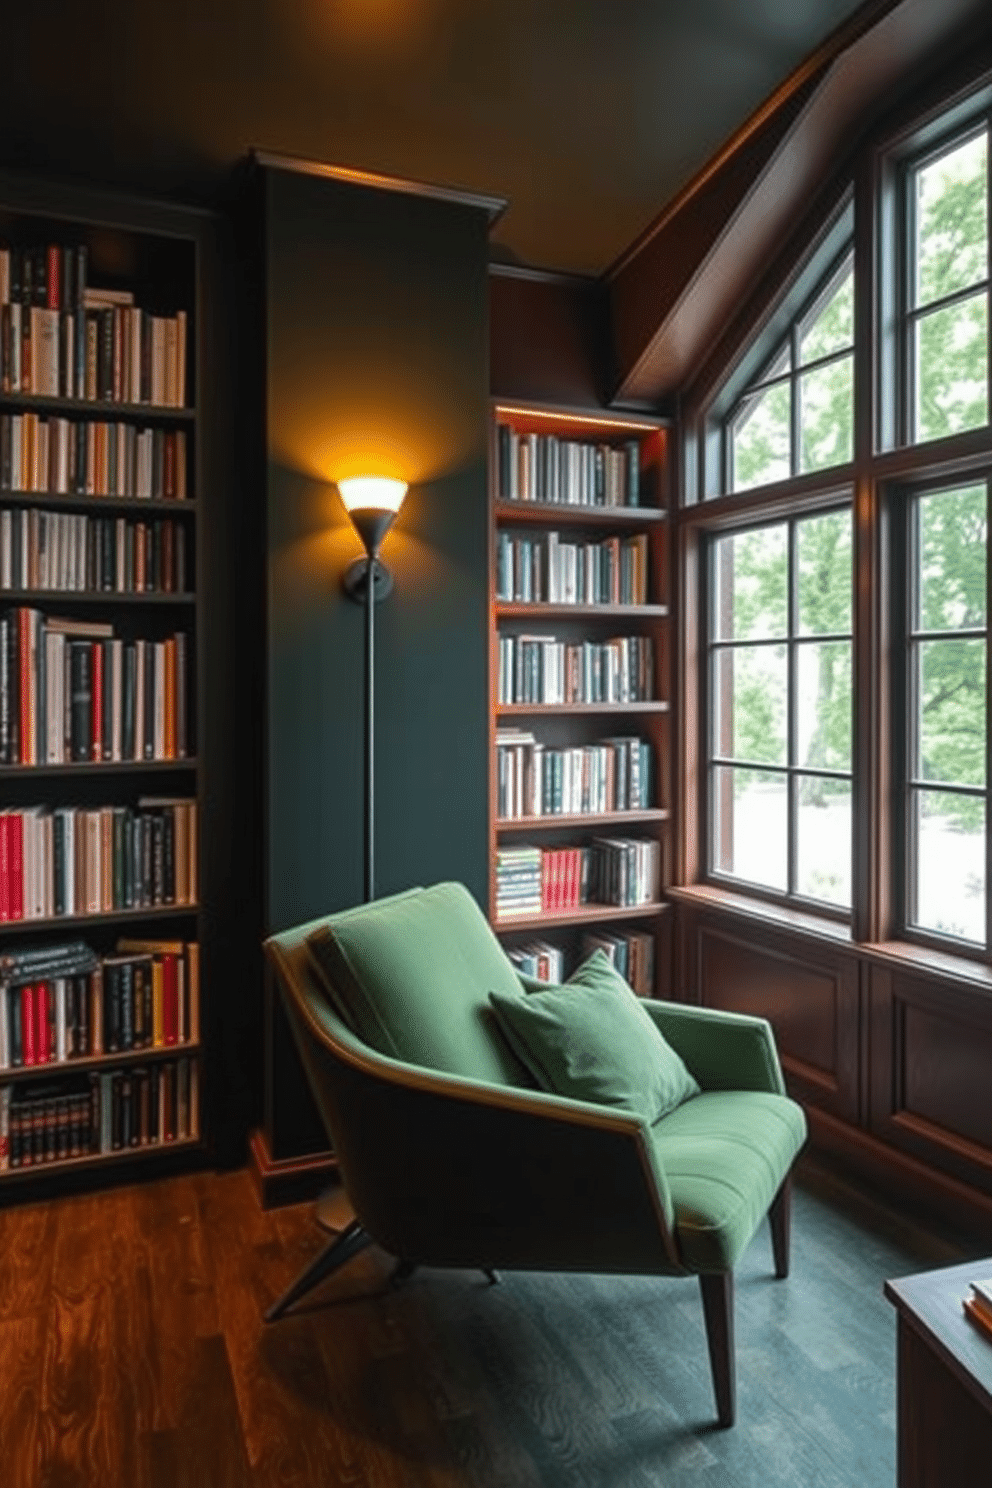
x=28 y=1025
x=576 y=876
x=96 y=653
x=54 y=276
x=4 y=866
x=41 y=995
x=545 y=880
x=170 y=999
x=15 y=861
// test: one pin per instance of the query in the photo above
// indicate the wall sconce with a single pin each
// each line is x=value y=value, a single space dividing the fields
x=372 y=502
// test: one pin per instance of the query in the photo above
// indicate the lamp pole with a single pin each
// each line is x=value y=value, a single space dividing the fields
x=370 y=729
x=372 y=503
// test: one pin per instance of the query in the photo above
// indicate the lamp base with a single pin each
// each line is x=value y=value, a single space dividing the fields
x=356 y=578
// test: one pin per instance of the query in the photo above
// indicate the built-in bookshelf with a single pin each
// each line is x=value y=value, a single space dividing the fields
x=579 y=688
x=101 y=683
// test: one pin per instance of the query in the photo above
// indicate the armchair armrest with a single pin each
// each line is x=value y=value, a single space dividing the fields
x=725 y=1051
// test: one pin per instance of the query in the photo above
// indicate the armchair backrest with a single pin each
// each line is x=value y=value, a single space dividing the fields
x=411 y=976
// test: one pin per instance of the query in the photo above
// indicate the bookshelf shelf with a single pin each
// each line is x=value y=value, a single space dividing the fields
x=584 y=914
x=559 y=752
x=531 y=710
x=580 y=820
x=97 y=767
x=83 y=1064
x=102 y=1159
x=61 y=501
x=105 y=917
x=102 y=408
x=103 y=598
x=505 y=610
x=562 y=514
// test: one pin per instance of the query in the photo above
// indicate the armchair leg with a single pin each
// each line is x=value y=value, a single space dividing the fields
x=780 y=1219
x=341 y=1249
x=718 y=1310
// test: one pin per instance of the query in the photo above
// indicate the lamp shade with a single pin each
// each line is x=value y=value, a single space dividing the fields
x=372 y=493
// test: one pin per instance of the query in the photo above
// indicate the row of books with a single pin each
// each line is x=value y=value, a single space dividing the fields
x=78 y=554
x=90 y=457
x=71 y=691
x=542 y=669
x=60 y=337
x=574 y=472
x=64 y=1002
x=547 y=570
x=533 y=779
x=630 y=951
x=100 y=1113
x=77 y=860
x=610 y=870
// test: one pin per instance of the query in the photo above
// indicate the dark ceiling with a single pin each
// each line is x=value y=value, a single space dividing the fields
x=588 y=115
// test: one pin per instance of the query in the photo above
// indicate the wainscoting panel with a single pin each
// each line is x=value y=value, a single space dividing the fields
x=808 y=991
x=931 y=1072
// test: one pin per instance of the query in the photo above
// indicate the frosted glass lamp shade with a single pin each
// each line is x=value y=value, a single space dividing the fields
x=372 y=493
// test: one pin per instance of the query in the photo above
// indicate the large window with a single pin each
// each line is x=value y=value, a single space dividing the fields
x=780 y=707
x=871 y=389
x=947 y=664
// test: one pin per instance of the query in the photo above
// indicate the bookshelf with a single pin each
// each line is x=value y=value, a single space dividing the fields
x=103 y=690
x=579 y=688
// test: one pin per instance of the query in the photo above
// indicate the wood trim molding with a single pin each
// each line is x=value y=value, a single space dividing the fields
x=493 y=206
x=295 y=1180
x=902 y=1177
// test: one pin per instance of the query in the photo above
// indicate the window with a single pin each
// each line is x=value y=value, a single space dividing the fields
x=946 y=677
x=946 y=350
x=780 y=707
x=798 y=414
x=774 y=455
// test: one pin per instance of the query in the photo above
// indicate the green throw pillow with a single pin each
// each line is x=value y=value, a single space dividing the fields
x=592 y=1039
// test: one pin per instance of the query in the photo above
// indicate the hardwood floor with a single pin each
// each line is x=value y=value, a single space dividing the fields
x=132 y=1352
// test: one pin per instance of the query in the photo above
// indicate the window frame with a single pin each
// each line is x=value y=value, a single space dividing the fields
x=905 y=696
x=792 y=770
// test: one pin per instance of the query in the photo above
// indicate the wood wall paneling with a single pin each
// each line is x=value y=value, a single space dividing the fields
x=808 y=993
x=931 y=1054
x=548 y=340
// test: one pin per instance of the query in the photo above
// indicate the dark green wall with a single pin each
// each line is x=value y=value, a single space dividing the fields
x=376 y=358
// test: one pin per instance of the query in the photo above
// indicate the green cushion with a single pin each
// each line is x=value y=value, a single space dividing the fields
x=592 y=1039
x=410 y=975
x=725 y=1155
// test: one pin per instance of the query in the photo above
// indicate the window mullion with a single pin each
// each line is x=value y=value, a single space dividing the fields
x=792 y=706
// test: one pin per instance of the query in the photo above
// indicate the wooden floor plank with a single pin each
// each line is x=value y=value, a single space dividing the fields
x=133 y=1351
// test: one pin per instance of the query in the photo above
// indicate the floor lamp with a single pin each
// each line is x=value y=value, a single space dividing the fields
x=372 y=502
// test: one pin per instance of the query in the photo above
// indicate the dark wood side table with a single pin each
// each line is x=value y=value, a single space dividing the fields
x=944 y=1381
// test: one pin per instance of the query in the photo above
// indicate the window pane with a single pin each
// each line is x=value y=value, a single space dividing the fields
x=832 y=327
x=761 y=438
x=824 y=576
x=951 y=533
x=824 y=705
x=823 y=839
x=749 y=826
x=952 y=221
x=951 y=729
x=749 y=703
x=750 y=585
x=950 y=864
x=951 y=358
x=826 y=404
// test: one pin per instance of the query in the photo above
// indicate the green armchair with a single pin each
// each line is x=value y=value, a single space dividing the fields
x=451 y=1156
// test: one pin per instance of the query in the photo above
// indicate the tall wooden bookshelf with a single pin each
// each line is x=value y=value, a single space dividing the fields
x=112 y=438
x=614 y=470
